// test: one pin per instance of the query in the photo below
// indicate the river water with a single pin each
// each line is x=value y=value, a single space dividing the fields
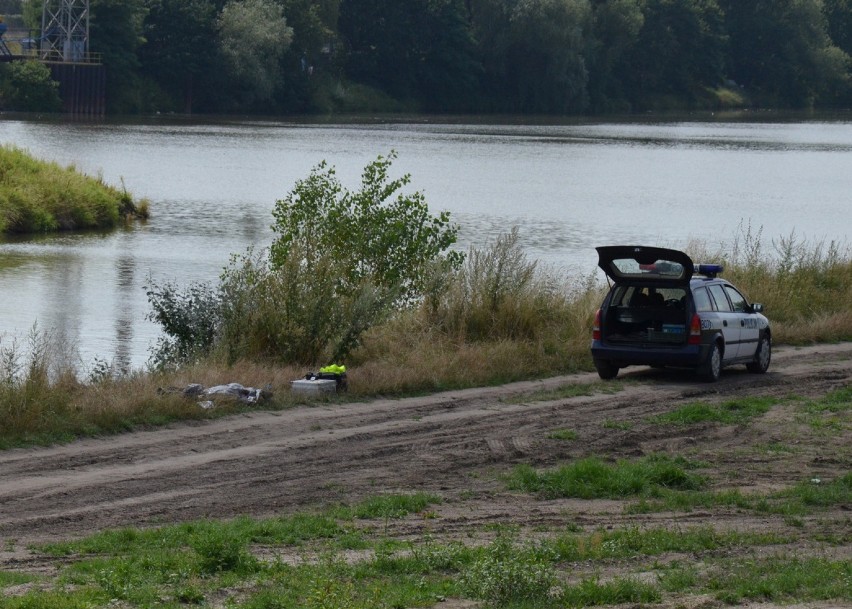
x=567 y=187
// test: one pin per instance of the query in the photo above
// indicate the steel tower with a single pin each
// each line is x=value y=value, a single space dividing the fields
x=65 y=30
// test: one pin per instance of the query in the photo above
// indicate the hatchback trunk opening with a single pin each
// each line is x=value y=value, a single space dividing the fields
x=647 y=315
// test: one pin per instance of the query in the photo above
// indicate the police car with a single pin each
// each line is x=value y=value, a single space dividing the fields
x=663 y=310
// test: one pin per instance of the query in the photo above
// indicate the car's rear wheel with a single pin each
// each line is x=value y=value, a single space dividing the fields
x=606 y=369
x=762 y=357
x=711 y=370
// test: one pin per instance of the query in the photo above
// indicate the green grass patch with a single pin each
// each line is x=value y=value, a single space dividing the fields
x=13 y=578
x=592 y=592
x=730 y=412
x=39 y=196
x=619 y=425
x=783 y=579
x=830 y=414
x=566 y=391
x=818 y=493
x=505 y=572
x=563 y=434
x=389 y=506
x=293 y=530
x=798 y=500
x=772 y=579
x=202 y=563
x=626 y=543
x=593 y=478
x=76 y=599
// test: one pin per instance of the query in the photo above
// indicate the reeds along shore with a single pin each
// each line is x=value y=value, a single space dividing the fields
x=499 y=318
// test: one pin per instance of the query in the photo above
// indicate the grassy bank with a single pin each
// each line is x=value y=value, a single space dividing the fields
x=39 y=196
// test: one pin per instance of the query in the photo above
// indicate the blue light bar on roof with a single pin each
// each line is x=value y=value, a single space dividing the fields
x=709 y=270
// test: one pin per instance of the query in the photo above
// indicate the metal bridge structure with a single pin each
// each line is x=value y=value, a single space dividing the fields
x=63 y=46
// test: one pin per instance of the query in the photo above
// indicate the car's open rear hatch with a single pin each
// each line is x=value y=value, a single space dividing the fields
x=648 y=265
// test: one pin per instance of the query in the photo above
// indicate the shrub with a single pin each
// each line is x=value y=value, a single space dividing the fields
x=292 y=312
x=190 y=318
x=376 y=235
x=505 y=573
x=342 y=262
x=27 y=86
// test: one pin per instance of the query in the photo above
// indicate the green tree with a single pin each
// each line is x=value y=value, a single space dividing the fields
x=181 y=52
x=341 y=261
x=115 y=31
x=416 y=50
x=781 y=51
x=31 y=13
x=314 y=26
x=615 y=31
x=253 y=36
x=533 y=53
x=312 y=63
x=27 y=86
x=839 y=15
x=376 y=234
x=546 y=55
x=680 y=50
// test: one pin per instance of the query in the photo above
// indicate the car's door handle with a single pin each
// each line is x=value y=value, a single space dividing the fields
x=742 y=323
x=725 y=323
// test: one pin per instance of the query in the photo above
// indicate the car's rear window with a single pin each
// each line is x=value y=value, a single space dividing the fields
x=660 y=269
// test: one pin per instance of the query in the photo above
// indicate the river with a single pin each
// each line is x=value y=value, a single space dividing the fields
x=567 y=187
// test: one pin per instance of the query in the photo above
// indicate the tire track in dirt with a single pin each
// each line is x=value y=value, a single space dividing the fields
x=264 y=463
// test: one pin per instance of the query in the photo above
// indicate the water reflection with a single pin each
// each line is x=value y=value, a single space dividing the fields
x=125 y=313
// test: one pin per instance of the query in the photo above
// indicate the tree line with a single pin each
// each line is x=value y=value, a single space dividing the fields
x=466 y=56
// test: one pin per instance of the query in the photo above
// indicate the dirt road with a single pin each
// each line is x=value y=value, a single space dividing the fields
x=451 y=444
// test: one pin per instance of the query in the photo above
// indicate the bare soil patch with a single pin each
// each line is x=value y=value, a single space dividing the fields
x=455 y=445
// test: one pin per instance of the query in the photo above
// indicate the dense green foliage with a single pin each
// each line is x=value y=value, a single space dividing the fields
x=341 y=262
x=36 y=196
x=517 y=56
x=28 y=85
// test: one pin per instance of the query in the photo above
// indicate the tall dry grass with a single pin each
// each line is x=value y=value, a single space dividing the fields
x=805 y=286
x=497 y=319
x=43 y=399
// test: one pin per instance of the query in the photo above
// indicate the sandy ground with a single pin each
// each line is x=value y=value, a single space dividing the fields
x=452 y=444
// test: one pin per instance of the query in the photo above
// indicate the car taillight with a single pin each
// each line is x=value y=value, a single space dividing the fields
x=695 y=330
x=596 y=329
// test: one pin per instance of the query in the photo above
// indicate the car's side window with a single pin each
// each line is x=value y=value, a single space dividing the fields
x=737 y=299
x=702 y=300
x=719 y=298
x=622 y=296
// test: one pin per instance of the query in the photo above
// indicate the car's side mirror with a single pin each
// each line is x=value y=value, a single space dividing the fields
x=757 y=308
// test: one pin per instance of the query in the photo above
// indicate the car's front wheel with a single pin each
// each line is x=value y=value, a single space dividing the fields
x=606 y=369
x=711 y=370
x=762 y=357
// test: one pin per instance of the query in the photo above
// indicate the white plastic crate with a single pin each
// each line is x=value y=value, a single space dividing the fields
x=316 y=387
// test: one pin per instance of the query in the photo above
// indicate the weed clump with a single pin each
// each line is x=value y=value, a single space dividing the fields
x=506 y=573
x=592 y=478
